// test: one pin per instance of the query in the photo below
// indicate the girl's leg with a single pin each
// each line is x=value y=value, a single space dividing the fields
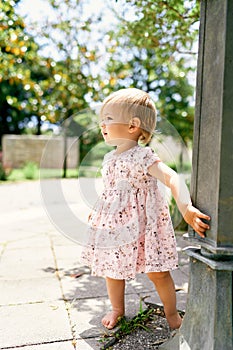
x=116 y=293
x=165 y=287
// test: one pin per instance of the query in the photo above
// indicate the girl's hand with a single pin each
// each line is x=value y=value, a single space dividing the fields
x=193 y=217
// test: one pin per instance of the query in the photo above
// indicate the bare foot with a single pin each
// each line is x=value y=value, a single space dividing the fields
x=174 y=321
x=111 y=319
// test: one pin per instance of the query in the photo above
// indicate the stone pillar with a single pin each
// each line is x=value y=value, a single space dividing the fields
x=208 y=323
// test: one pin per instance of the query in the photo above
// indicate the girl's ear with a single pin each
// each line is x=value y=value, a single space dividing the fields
x=134 y=124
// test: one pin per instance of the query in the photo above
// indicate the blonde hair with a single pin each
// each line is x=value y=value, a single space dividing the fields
x=135 y=103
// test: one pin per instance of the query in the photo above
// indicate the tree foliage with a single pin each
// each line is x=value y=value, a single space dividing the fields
x=51 y=70
x=18 y=52
x=71 y=80
x=153 y=50
x=42 y=86
x=169 y=27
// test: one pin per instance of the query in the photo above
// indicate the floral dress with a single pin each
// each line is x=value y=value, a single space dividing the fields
x=130 y=229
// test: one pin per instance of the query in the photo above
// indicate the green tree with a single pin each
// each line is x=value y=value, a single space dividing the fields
x=18 y=51
x=146 y=51
x=66 y=39
x=154 y=49
x=73 y=55
x=49 y=87
x=169 y=27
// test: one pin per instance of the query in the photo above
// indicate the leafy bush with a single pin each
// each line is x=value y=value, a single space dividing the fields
x=3 y=176
x=31 y=171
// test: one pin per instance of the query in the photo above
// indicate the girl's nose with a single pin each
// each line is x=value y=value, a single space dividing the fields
x=102 y=124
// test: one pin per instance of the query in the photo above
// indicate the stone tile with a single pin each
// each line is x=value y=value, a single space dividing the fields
x=183 y=259
x=68 y=253
x=152 y=298
x=181 y=299
x=29 y=291
x=28 y=283
x=32 y=241
x=18 y=224
x=145 y=288
x=12 y=234
x=60 y=239
x=133 y=305
x=2 y=247
x=180 y=241
x=180 y=278
x=142 y=283
x=185 y=270
x=27 y=192
x=67 y=345
x=25 y=216
x=85 y=286
x=89 y=344
x=86 y=314
x=34 y=324
x=26 y=263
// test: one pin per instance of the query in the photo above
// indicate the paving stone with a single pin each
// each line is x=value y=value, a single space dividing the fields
x=152 y=298
x=86 y=314
x=2 y=247
x=35 y=240
x=133 y=305
x=20 y=194
x=26 y=263
x=68 y=253
x=183 y=259
x=24 y=216
x=13 y=231
x=145 y=288
x=35 y=317
x=142 y=283
x=181 y=300
x=85 y=286
x=10 y=233
x=61 y=240
x=34 y=324
x=67 y=345
x=89 y=344
x=185 y=270
x=29 y=291
x=181 y=242
x=179 y=277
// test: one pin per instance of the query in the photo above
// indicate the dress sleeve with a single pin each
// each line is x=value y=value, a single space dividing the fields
x=149 y=158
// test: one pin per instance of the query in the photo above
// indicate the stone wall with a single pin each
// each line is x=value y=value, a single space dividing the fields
x=46 y=151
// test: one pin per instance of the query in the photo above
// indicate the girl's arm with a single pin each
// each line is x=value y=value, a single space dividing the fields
x=181 y=194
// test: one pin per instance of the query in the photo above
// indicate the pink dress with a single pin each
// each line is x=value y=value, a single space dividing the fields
x=130 y=228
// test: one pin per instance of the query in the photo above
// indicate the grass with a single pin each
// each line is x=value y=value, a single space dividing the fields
x=19 y=174
x=127 y=327
x=145 y=319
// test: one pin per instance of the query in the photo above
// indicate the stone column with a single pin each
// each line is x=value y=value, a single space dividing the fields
x=208 y=323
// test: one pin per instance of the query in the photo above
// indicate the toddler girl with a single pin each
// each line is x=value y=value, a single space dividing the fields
x=130 y=226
